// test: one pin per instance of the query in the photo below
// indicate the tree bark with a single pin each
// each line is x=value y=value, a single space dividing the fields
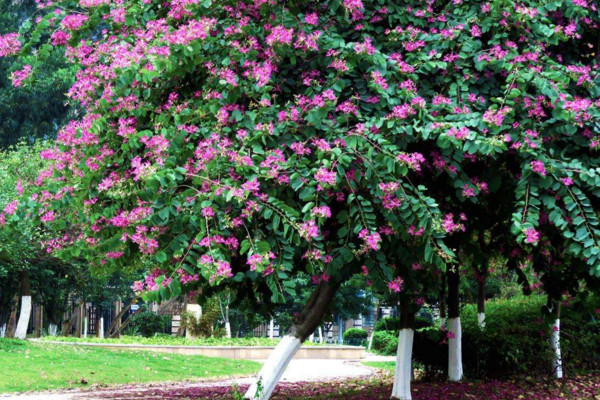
x=68 y=325
x=38 y=321
x=455 y=368
x=303 y=325
x=25 y=314
x=403 y=370
x=12 y=320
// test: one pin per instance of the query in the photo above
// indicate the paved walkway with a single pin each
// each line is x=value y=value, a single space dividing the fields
x=297 y=371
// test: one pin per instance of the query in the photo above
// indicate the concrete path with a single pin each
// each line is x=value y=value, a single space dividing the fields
x=297 y=371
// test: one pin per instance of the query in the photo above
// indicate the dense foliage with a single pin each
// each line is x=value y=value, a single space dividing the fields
x=252 y=140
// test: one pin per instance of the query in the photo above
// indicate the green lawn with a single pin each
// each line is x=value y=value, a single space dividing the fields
x=26 y=366
x=385 y=365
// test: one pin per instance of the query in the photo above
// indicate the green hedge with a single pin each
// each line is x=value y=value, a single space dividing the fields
x=355 y=337
x=513 y=342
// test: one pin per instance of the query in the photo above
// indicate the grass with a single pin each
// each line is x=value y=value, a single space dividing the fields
x=172 y=340
x=384 y=365
x=27 y=366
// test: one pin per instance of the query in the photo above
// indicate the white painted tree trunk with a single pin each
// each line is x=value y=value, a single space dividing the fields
x=311 y=338
x=481 y=320
x=101 y=328
x=271 y=329
x=403 y=370
x=370 y=341
x=24 y=315
x=455 y=368
x=555 y=340
x=228 y=330
x=320 y=335
x=2 y=331
x=85 y=326
x=52 y=329
x=273 y=368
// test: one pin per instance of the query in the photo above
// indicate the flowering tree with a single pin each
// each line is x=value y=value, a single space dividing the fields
x=238 y=143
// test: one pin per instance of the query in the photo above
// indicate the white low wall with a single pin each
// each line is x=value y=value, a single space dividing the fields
x=235 y=352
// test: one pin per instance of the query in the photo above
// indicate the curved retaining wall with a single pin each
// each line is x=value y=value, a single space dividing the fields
x=235 y=352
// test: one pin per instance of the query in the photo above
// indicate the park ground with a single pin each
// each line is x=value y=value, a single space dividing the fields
x=42 y=371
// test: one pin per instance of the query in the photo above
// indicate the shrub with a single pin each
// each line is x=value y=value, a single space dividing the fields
x=355 y=337
x=388 y=324
x=385 y=342
x=147 y=324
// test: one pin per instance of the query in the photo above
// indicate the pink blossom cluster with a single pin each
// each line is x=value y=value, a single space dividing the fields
x=9 y=44
x=396 y=285
x=19 y=76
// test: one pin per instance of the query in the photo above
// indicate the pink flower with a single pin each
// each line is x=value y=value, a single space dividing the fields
x=311 y=19
x=396 y=285
x=309 y=230
x=532 y=236
x=538 y=167
x=208 y=212
x=365 y=270
x=47 y=217
x=352 y=5
x=11 y=207
x=323 y=175
x=323 y=212
x=19 y=76
x=9 y=44
x=567 y=181
x=138 y=286
x=74 y=22
x=19 y=187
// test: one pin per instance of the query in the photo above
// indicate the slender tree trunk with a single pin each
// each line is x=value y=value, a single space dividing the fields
x=127 y=321
x=403 y=370
x=304 y=324
x=25 y=314
x=481 y=301
x=555 y=341
x=181 y=329
x=271 y=328
x=115 y=327
x=38 y=321
x=85 y=319
x=100 y=323
x=455 y=368
x=12 y=320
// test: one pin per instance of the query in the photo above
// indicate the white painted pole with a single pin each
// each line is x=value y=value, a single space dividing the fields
x=101 y=327
x=555 y=340
x=320 y=335
x=403 y=370
x=455 y=368
x=273 y=368
x=271 y=328
x=24 y=315
x=85 y=326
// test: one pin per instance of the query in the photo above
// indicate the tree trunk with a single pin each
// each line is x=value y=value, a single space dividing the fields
x=12 y=320
x=403 y=370
x=303 y=325
x=481 y=301
x=455 y=368
x=38 y=321
x=555 y=341
x=68 y=325
x=25 y=314
x=127 y=321
x=271 y=328
x=115 y=327
x=52 y=329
